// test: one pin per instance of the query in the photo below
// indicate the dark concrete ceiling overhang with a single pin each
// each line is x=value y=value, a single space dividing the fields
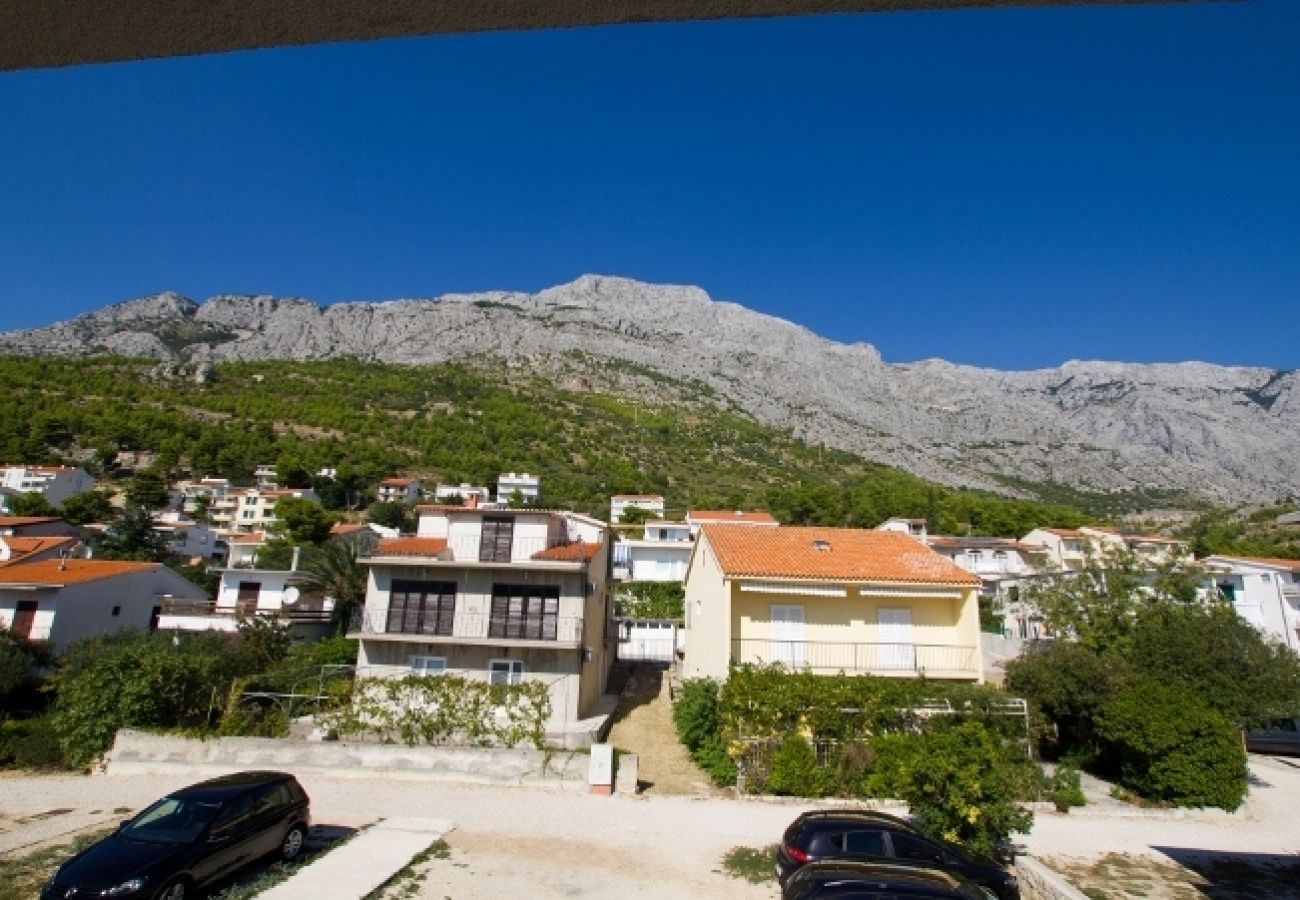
x=45 y=33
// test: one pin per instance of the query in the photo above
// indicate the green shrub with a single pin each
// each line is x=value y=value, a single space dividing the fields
x=1167 y=744
x=30 y=744
x=1067 y=684
x=794 y=770
x=142 y=680
x=960 y=781
x=699 y=726
x=1064 y=788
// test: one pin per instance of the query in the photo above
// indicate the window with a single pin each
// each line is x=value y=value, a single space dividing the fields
x=422 y=607
x=233 y=820
x=248 y=513
x=908 y=847
x=117 y=610
x=1266 y=577
x=975 y=556
x=865 y=843
x=428 y=665
x=497 y=537
x=527 y=611
x=505 y=671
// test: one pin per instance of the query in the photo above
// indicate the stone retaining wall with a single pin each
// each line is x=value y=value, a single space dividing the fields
x=141 y=753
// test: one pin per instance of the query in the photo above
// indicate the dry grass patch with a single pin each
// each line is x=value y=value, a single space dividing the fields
x=1203 y=877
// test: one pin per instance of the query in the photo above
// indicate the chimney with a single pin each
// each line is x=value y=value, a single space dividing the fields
x=63 y=560
x=471 y=500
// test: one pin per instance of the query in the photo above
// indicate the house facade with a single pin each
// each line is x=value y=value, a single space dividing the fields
x=502 y=595
x=620 y=503
x=1004 y=568
x=251 y=593
x=399 y=490
x=54 y=483
x=1264 y=591
x=662 y=553
x=64 y=600
x=528 y=487
x=464 y=491
x=829 y=600
x=252 y=509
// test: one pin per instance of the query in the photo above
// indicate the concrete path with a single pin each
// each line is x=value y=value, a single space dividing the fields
x=363 y=863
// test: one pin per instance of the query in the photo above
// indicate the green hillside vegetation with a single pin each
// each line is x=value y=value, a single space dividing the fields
x=1242 y=533
x=463 y=423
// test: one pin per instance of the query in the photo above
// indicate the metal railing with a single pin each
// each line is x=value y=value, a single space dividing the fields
x=470 y=626
x=885 y=658
x=209 y=608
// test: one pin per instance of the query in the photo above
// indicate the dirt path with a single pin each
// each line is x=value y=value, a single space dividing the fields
x=644 y=725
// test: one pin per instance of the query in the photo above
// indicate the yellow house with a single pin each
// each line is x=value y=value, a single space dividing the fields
x=830 y=600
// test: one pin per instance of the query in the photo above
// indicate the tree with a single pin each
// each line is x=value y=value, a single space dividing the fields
x=148 y=488
x=651 y=600
x=636 y=515
x=302 y=521
x=1069 y=683
x=960 y=782
x=17 y=657
x=1099 y=604
x=132 y=537
x=31 y=505
x=335 y=570
x=392 y=514
x=87 y=507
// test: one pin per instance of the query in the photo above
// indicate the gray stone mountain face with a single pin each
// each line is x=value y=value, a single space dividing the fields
x=1225 y=433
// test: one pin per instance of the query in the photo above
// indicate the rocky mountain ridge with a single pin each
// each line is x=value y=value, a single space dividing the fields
x=1225 y=433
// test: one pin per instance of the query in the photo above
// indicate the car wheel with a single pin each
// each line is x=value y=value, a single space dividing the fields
x=291 y=846
x=174 y=890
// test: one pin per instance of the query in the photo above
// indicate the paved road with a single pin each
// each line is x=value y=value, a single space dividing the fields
x=670 y=846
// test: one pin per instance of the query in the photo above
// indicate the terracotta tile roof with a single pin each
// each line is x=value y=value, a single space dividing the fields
x=28 y=546
x=410 y=546
x=397 y=482
x=1292 y=565
x=341 y=528
x=636 y=497
x=973 y=543
x=15 y=521
x=757 y=517
x=1065 y=532
x=577 y=551
x=252 y=537
x=56 y=573
x=846 y=554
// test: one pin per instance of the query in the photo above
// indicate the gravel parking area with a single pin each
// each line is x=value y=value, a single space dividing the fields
x=515 y=841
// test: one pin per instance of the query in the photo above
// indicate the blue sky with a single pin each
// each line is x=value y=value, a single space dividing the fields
x=1007 y=188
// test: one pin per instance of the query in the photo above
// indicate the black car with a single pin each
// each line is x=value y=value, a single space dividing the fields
x=190 y=838
x=877 y=881
x=847 y=834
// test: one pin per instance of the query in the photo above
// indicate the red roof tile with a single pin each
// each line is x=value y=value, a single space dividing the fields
x=757 y=517
x=410 y=546
x=839 y=554
x=1292 y=565
x=578 y=551
x=56 y=572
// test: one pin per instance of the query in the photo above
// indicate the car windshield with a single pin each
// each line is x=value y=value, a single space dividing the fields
x=171 y=820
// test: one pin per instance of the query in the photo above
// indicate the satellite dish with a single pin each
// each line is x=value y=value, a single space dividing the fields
x=291 y=594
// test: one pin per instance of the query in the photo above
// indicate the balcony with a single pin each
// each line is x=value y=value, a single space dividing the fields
x=472 y=628
x=829 y=658
x=471 y=549
x=183 y=613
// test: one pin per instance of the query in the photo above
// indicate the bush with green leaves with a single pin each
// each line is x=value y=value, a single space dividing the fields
x=30 y=744
x=651 y=600
x=794 y=770
x=419 y=709
x=1067 y=684
x=1168 y=744
x=699 y=726
x=18 y=657
x=960 y=781
x=1065 y=788
x=139 y=680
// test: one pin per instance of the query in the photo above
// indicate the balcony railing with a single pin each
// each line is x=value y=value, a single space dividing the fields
x=470 y=627
x=469 y=548
x=828 y=657
x=209 y=608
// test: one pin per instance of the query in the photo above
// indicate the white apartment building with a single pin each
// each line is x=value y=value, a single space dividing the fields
x=619 y=503
x=251 y=509
x=54 y=483
x=528 y=486
x=1264 y=591
x=662 y=553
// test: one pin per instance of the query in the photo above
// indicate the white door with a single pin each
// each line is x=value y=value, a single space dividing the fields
x=787 y=635
x=897 y=651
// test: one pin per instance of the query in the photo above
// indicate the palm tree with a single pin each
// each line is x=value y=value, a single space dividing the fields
x=334 y=570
